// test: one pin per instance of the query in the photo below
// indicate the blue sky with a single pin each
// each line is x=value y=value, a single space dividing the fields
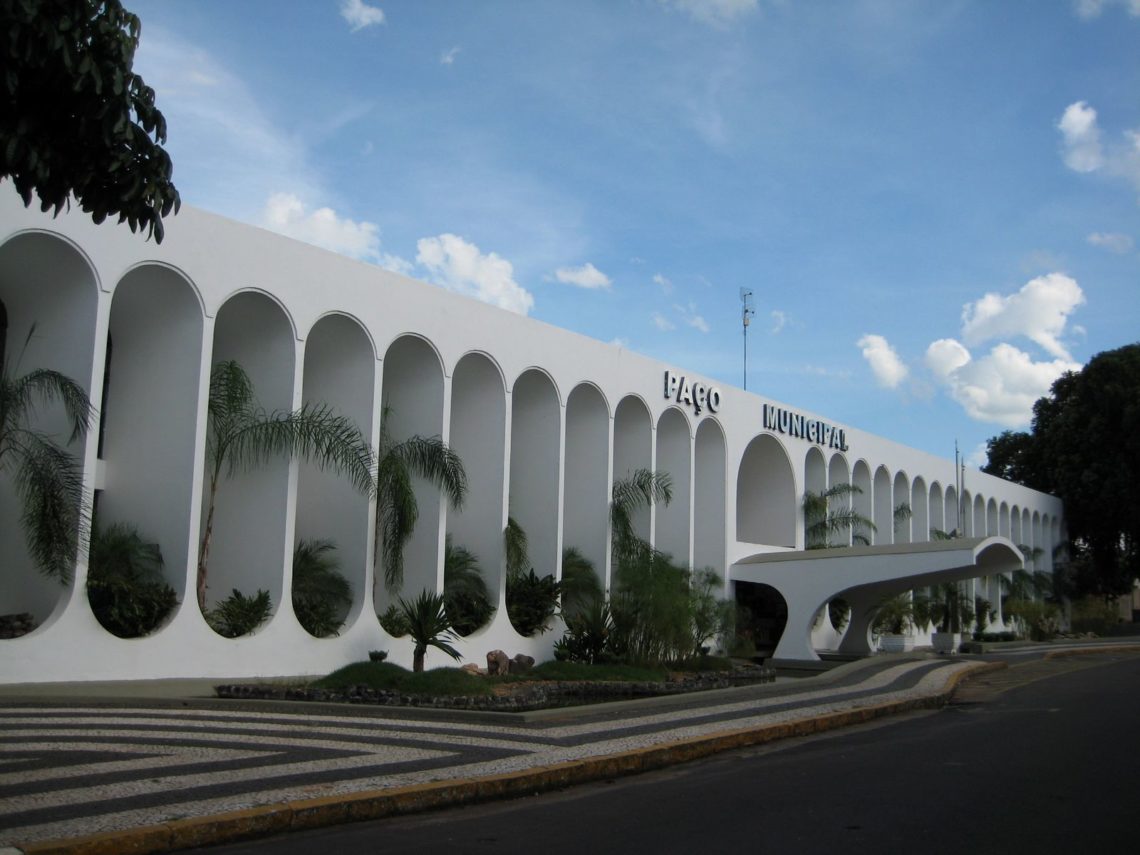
x=935 y=204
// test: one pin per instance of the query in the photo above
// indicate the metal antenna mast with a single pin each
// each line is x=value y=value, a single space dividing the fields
x=746 y=314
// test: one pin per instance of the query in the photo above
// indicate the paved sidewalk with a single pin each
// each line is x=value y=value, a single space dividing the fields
x=161 y=766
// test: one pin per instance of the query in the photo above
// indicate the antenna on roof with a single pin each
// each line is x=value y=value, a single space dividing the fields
x=746 y=314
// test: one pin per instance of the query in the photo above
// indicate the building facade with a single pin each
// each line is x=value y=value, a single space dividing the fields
x=544 y=419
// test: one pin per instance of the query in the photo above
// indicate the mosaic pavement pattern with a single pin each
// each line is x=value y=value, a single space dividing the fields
x=78 y=770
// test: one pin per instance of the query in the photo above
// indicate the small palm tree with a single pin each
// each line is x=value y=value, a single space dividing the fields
x=48 y=480
x=516 y=548
x=580 y=585
x=242 y=436
x=428 y=625
x=829 y=512
x=643 y=488
x=320 y=592
x=396 y=509
x=464 y=591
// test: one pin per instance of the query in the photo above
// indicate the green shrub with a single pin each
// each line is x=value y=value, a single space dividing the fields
x=125 y=588
x=894 y=616
x=557 y=670
x=390 y=677
x=531 y=601
x=1040 y=620
x=320 y=593
x=394 y=622
x=1093 y=614
x=238 y=614
x=587 y=635
x=465 y=593
x=581 y=587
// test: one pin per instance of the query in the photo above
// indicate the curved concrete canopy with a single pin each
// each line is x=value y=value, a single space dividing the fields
x=808 y=579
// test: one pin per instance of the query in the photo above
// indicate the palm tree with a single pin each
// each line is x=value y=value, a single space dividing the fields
x=242 y=436
x=822 y=518
x=428 y=626
x=641 y=489
x=464 y=591
x=580 y=585
x=396 y=507
x=48 y=480
x=320 y=591
x=516 y=548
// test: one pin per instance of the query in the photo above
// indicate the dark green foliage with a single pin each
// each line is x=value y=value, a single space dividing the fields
x=580 y=586
x=568 y=670
x=950 y=609
x=894 y=615
x=1084 y=446
x=531 y=601
x=840 y=612
x=464 y=590
x=242 y=436
x=397 y=464
x=394 y=622
x=587 y=636
x=387 y=676
x=320 y=593
x=515 y=548
x=642 y=489
x=77 y=121
x=48 y=480
x=238 y=614
x=125 y=588
x=829 y=516
x=428 y=626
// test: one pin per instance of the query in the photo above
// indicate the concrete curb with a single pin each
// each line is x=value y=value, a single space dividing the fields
x=378 y=804
x=1088 y=651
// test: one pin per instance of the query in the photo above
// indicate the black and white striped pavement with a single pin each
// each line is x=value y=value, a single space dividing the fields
x=72 y=770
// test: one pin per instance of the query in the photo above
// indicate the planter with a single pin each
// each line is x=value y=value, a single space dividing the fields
x=946 y=642
x=891 y=643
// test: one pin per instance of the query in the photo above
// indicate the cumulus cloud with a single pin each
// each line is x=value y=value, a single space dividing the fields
x=396 y=264
x=661 y=322
x=1112 y=241
x=587 y=276
x=286 y=214
x=664 y=284
x=448 y=56
x=716 y=12
x=1083 y=150
x=885 y=364
x=690 y=317
x=1001 y=386
x=1089 y=9
x=359 y=14
x=458 y=265
x=1039 y=311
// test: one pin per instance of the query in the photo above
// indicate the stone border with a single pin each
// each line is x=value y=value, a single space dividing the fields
x=528 y=697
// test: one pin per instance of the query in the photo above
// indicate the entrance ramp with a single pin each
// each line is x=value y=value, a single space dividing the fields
x=864 y=576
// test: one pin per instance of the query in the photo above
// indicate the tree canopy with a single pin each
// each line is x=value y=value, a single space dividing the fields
x=1084 y=446
x=76 y=120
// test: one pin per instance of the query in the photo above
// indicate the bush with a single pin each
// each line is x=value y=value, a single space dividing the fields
x=320 y=593
x=394 y=622
x=125 y=588
x=464 y=592
x=1093 y=614
x=587 y=635
x=1040 y=620
x=390 y=677
x=238 y=614
x=531 y=601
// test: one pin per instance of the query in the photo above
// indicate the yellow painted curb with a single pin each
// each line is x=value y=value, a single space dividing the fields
x=1090 y=651
x=378 y=804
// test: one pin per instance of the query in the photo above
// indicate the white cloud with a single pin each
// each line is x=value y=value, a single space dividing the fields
x=979 y=456
x=715 y=12
x=396 y=264
x=1112 y=241
x=586 y=276
x=623 y=343
x=885 y=363
x=285 y=213
x=1001 y=386
x=1089 y=9
x=448 y=56
x=665 y=284
x=1081 y=138
x=779 y=321
x=1039 y=311
x=1083 y=150
x=691 y=318
x=458 y=265
x=661 y=322
x=360 y=15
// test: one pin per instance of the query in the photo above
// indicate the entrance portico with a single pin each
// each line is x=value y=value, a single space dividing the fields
x=808 y=580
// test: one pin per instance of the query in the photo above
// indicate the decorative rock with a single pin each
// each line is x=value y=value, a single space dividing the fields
x=498 y=662
x=521 y=663
x=472 y=668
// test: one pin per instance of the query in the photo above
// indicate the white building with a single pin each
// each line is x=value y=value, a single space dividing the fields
x=543 y=419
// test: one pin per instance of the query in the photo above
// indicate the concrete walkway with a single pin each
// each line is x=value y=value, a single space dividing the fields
x=160 y=766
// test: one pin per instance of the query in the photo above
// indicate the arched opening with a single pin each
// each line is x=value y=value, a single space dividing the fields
x=248 y=549
x=815 y=484
x=979 y=521
x=674 y=444
x=709 y=525
x=1015 y=525
x=952 y=513
x=763 y=615
x=412 y=405
x=478 y=434
x=47 y=287
x=920 y=511
x=340 y=372
x=991 y=518
x=535 y=431
x=862 y=501
x=586 y=487
x=901 y=511
x=937 y=510
x=150 y=418
x=766 y=501
x=633 y=450
x=883 y=507
x=967 y=511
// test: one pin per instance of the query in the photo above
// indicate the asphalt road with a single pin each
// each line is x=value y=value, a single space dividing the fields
x=1050 y=766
